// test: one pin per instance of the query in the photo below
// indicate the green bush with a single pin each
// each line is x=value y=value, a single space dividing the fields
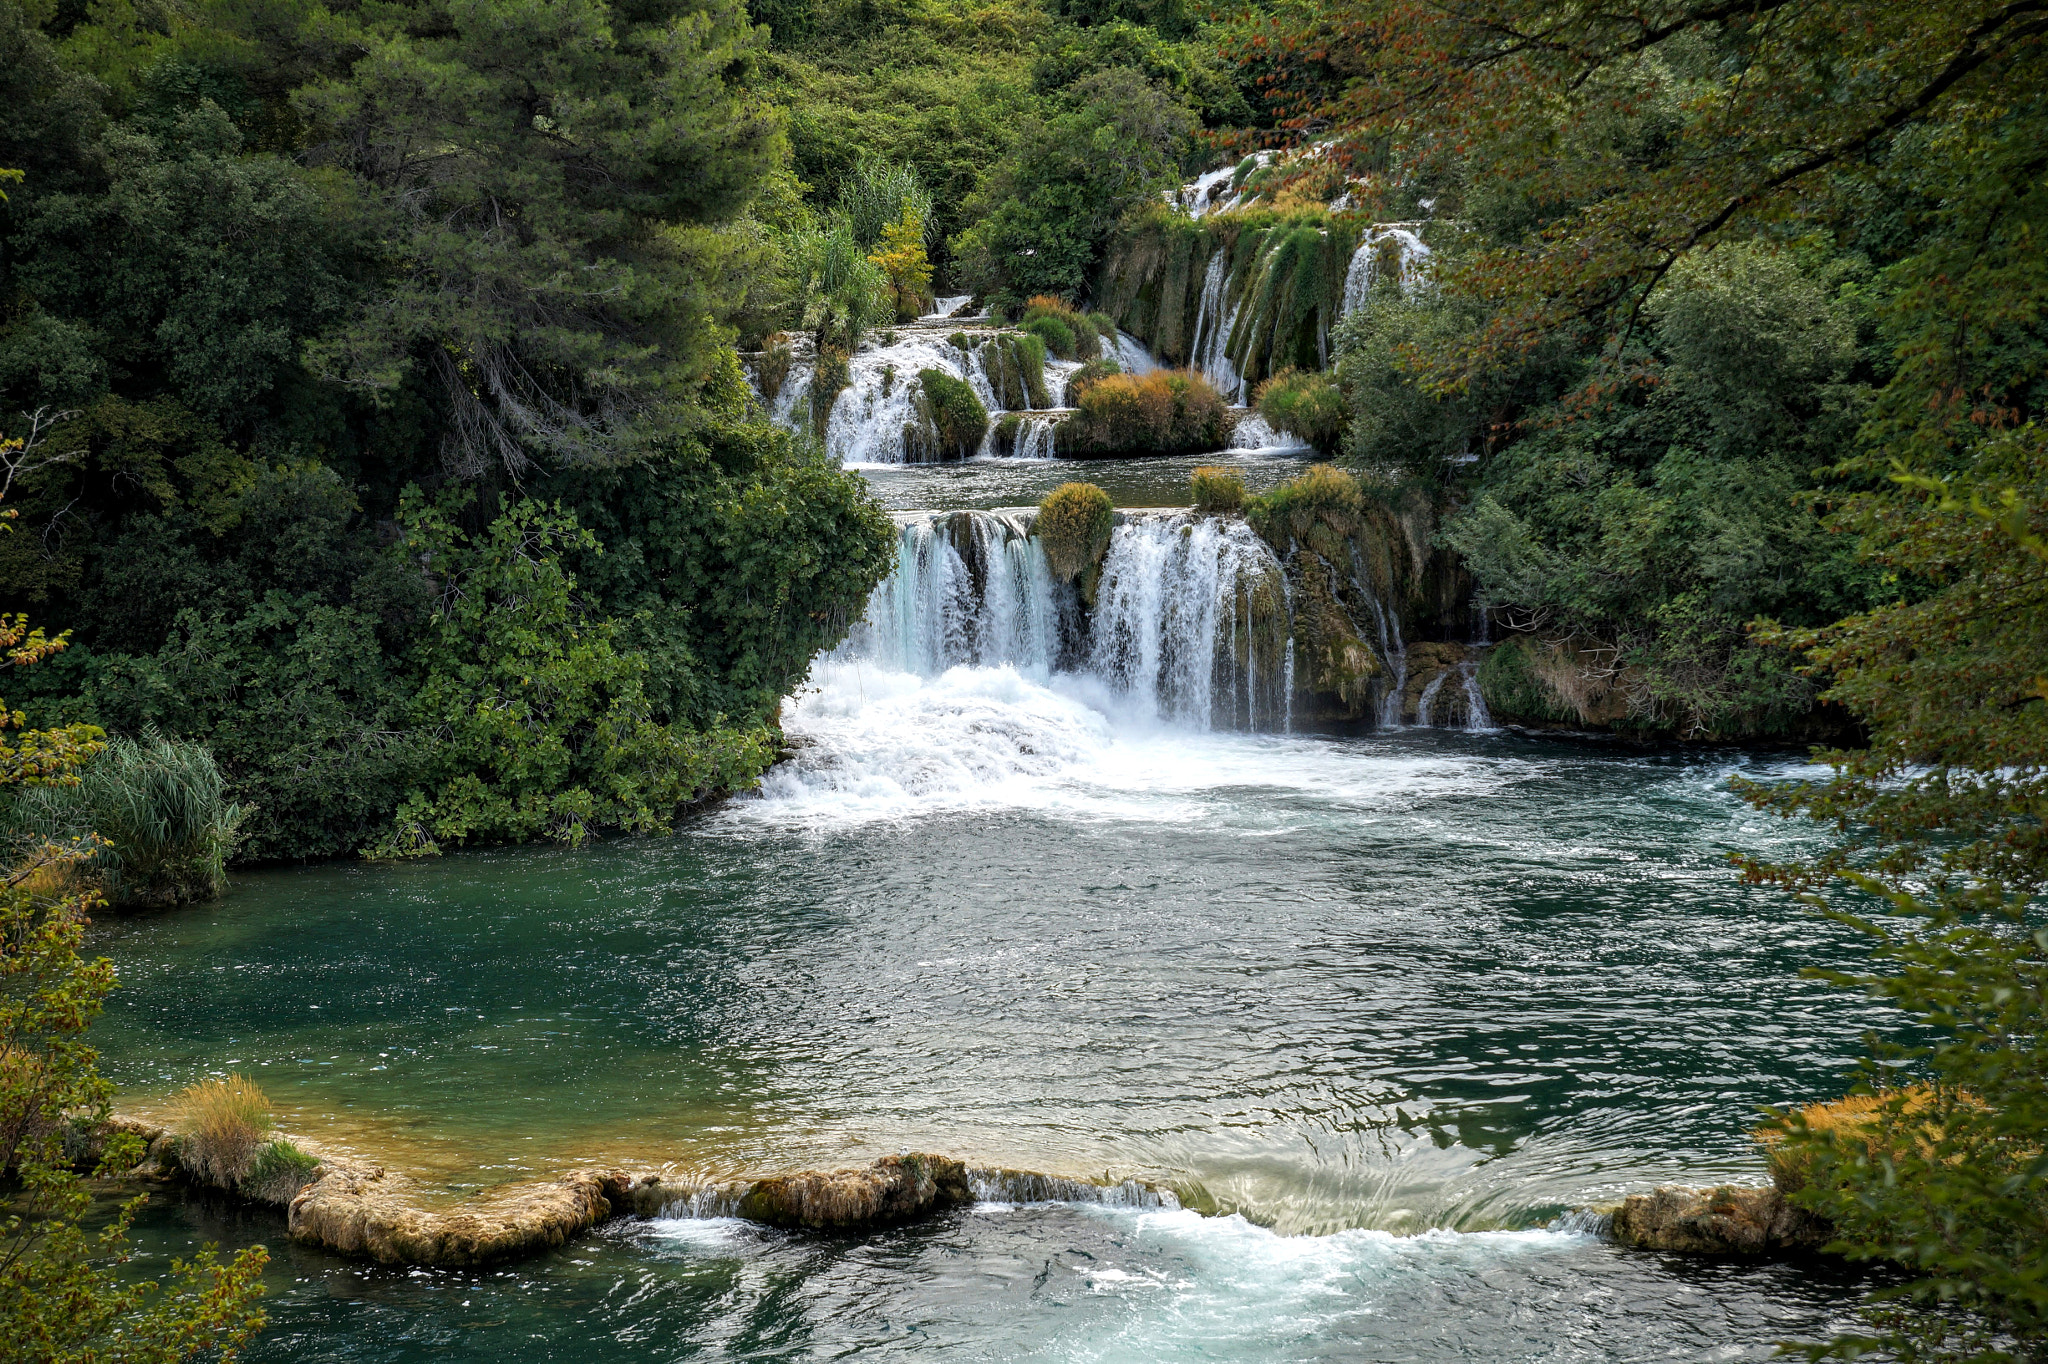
x=279 y=1171
x=161 y=808
x=1218 y=490
x=1057 y=335
x=1074 y=523
x=1323 y=494
x=829 y=377
x=957 y=414
x=1165 y=412
x=1306 y=403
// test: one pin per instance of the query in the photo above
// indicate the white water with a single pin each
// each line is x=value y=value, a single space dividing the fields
x=1213 y=326
x=1255 y=434
x=1409 y=255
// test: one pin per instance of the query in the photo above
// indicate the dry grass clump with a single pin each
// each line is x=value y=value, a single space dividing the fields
x=1218 y=490
x=1868 y=1121
x=222 y=1125
x=1166 y=412
x=1073 y=525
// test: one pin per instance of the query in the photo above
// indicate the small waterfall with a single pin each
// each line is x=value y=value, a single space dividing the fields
x=1477 y=717
x=1164 y=625
x=1025 y=1186
x=1254 y=432
x=1132 y=356
x=1425 y=704
x=969 y=587
x=1035 y=438
x=1211 y=350
x=1411 y=263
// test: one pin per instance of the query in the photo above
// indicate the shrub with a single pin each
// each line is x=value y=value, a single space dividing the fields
x=1073 y=525
x=1323 y=492
x=962 y=341
x=1057 y=335
x=279 y=1171
x=1081 y=335
x=1165 y=412
x=831 y=375
x=221 y=1126
x=1218 y=490
x=160 y=809
x=771 y=370
x=957 y=414
x=1079 y=381
x=1105 y=327
x=1307 y=403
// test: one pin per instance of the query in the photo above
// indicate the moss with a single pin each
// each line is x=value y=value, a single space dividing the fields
x=1105 y=327
x=279 y=1171
x=1055 y=333
x=963 y=341
x=1306 y=403
x=831 y=377
x=956 y=413
x=1217 y=490
x=1004 y=439
x=1073 y=525
x=1165 y=412
x=1335 y=661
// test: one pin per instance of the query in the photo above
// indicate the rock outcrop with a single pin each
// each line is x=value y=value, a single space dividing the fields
x=1725 y=1220
x=894 y=1189
x=361 y=1213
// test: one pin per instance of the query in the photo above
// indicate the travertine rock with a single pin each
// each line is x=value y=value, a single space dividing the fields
x=1726 y=1220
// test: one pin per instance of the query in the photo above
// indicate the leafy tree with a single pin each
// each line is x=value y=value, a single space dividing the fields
x=539 y=722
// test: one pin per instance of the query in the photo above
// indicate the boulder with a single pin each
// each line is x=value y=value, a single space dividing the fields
x=893 y=1189
x=1725 y=1220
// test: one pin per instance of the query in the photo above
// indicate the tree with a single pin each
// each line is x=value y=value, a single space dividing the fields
x=901 y=258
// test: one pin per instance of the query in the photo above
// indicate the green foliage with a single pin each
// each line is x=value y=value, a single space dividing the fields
x=1050 y=205
x=1323 y=495
x=1094 y=371
x=1663 y=522
x=63 y=1296
x=1217 y=490
x=541 y=722
x=1057 y=335
x=956 y=413
x=279 y=1171
x=1308 y=404
x=1074 y=523
x=1164 y=412
x=160 y=810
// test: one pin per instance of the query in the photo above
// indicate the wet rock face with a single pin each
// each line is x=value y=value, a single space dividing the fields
x=1727 y=1220
x=893 y=1189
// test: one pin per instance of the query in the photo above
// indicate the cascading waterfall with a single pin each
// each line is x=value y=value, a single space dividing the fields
x=1192 y=622
x=1410 y=261
x=1211 y=350
x=1165 y=614
x=969 y=587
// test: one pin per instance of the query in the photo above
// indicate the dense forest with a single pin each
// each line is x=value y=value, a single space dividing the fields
x=382 y=474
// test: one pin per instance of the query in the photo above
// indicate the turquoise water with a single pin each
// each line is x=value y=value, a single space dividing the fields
x=1386 y=1005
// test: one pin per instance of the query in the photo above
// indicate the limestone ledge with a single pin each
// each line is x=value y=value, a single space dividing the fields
x=358 y=1209
x=1728 y=1219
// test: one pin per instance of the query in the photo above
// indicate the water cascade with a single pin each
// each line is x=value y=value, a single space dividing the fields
x=1194 y=621
x=1386 y=246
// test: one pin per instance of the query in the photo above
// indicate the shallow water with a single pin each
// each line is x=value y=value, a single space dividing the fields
x=1384 y=1005
x=981 y=484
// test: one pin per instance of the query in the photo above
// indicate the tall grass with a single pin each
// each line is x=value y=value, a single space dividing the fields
x=222 y=1126
x=160 y=810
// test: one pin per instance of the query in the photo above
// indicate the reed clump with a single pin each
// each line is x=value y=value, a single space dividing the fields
x=155 y=814
x=1218 y=490
x=1074 y=524
x=223 y=1126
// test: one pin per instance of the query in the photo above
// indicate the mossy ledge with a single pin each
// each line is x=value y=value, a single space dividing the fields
x=354 y=1208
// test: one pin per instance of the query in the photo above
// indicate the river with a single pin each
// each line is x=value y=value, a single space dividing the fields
x=1376 y=1011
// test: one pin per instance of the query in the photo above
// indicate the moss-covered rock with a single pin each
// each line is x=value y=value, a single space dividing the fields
x=1334 y=662
x=828 y=380
x=892 y=1190
x=957 y=416
x=1074 y=525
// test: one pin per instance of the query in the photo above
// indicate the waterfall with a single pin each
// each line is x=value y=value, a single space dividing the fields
x=1165 y=613
x=1254 y=432
x=1476 y=714
x=1427 y=701
x=969 y=587
x=1411 y=264
x=1213 y=328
